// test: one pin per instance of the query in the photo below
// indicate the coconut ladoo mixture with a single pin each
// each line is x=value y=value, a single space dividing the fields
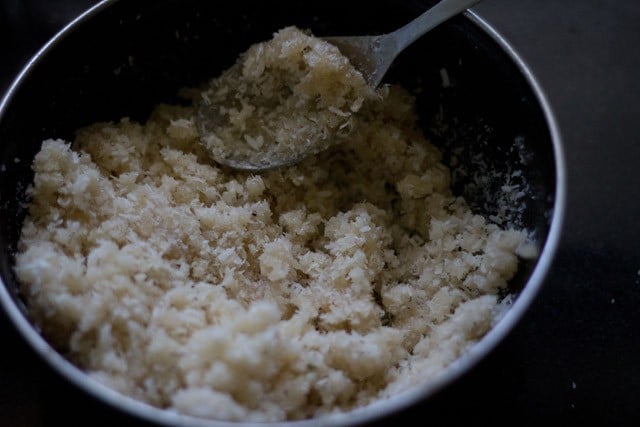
x=317 y=288
x=294 y=94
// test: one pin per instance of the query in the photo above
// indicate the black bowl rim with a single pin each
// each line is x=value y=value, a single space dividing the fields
x=376 y=410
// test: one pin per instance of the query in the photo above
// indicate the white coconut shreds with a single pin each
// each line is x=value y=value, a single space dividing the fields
x=290 y=95
x=317 y=288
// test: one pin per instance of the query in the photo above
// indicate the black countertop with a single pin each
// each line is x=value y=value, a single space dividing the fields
x=575 y=356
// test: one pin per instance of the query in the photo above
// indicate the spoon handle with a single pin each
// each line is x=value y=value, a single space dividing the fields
x=433 y=17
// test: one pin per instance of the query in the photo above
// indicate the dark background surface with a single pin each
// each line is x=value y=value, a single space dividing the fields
x=575 y=357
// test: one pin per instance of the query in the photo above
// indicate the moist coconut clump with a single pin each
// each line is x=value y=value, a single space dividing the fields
x=319 y=288
x=289 y=96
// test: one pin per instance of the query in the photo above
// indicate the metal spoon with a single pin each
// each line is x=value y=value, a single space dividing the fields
x=371 y=55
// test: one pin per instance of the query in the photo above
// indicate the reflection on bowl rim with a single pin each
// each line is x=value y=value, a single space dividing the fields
x=379 y=408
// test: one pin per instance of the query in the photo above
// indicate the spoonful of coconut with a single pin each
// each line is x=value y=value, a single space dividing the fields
x=296 y=95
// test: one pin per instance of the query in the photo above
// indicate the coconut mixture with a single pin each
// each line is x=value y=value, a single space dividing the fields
x=294 y=94
x=322 y=287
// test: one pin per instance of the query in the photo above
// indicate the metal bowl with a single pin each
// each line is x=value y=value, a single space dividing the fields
x=477 y=100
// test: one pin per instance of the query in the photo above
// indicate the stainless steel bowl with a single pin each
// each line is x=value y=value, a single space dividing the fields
x=476 y=97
